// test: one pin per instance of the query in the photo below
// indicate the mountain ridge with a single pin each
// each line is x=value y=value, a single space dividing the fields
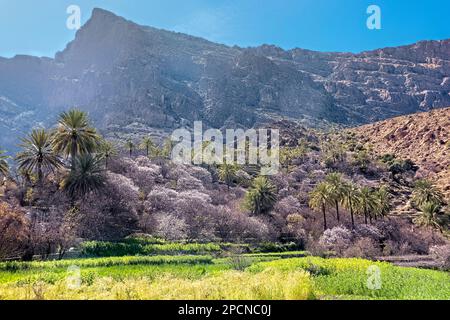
x=137 y=79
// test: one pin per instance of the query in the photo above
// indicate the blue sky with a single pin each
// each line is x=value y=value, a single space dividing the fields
x=39 y=27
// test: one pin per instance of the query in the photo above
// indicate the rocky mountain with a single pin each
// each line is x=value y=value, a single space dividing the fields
x=423 y=137
x=135 y=79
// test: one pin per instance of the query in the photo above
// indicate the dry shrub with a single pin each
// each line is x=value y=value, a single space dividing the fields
x=442 y=255
x=14 y=231
x=363 y=248
x=337 y=239
x=170 y=227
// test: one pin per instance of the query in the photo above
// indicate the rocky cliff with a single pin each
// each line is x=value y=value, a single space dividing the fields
x=135 y=79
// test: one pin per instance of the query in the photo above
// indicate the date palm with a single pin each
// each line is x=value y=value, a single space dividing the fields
x=351 y=199
x=129 y=145
x=74 y=135
x=86 y=176
x=383 y=202
x=319 y=200
x=37 y=154
x=227 y=173
x=426 y=192
x=4 y=167
x=261 y=197
x=106 y=151
x=429 y=216
x=148 y=145
x=367 y=203
x=336 y=188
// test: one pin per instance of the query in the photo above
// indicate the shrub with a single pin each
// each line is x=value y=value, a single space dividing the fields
x=363 y=248
x=337 y=239
x=277 y=247
x=170 y=227
x=14 y=232
x=442 y=255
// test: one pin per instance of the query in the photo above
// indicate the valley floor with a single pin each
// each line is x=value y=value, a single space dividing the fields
x=266 y=276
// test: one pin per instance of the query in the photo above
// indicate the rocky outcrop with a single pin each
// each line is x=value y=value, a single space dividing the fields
x=135 y=79
x=422 y=137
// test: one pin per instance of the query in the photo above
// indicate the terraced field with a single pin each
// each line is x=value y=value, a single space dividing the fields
x=272 y=276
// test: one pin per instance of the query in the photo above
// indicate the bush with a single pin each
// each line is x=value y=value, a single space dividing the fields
x=363 y=248
x=337 y=239
x=14 y=232
x=277 y=247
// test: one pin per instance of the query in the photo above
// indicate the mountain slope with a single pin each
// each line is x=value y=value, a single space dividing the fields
x=422 y=137
x=135 y=79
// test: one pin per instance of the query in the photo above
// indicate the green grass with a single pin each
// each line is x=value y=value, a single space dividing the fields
x=281 y=275
x=348 y=278
x=106 y=262
x=286 y=254
x=145 y=247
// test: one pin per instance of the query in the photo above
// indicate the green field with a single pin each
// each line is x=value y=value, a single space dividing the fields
x=284 y=275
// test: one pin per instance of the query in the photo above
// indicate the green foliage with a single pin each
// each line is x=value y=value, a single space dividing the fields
x=199 y=277
x=367 y=203
x=288 y=155
x=129 y=145
x=430 y=215
x=37 y=154
x=426 y=192
x=4 y=167
x=106 y=151
x=348 y=279
x=87 y=175
x=361 y=159
x=336 y=190
x=228 y=173
x=266 y=247
x=105 y=262
x=143 y=247
x=396 y=166
x=319 y=199
x=74 y=135
x=383 y=202
x=351 y=199
x=261 y=197
x=148 y=145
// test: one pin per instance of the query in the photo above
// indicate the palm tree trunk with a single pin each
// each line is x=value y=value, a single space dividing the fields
x=324 y=218
x=40 y=174
x=337 y=211
x=365 y=216
x=73 y=151
x=351 y=214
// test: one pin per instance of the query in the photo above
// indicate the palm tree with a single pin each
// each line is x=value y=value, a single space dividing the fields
x=426 y=192
x=148 y=145
x=37 y=154
x=261 y=197
x=227 y=173
x=86 y=176
x=336 y=186
x=319 y=200
x=4 y=167
x=383 y=202
x=106 y=151
x=429 y=215
x=74 y=135
x=129 y=145
x=367 y=203
x=351 y=199
x=166 y=151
